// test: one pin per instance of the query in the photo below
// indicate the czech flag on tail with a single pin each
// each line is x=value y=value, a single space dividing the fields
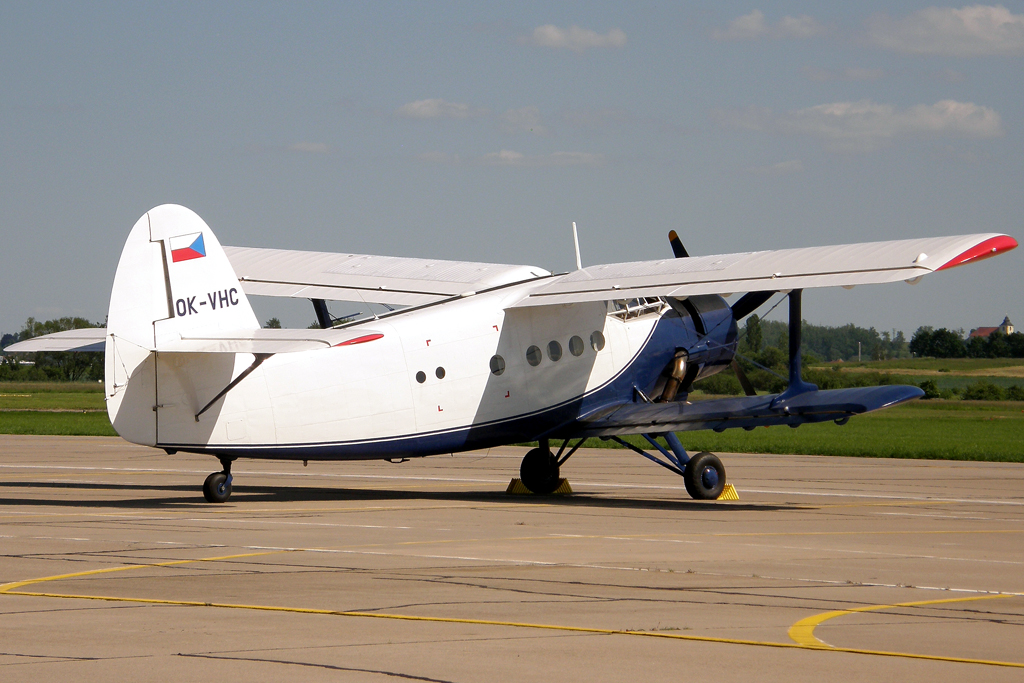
x=187 y=247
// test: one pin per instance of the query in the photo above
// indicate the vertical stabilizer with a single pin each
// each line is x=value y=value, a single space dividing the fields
x=173 y=278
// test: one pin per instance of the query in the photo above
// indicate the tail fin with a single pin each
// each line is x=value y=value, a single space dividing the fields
x=173 y=278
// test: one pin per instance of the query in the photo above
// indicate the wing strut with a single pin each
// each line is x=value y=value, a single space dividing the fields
x=260 y=357
x=797 y=385
x=323 y=316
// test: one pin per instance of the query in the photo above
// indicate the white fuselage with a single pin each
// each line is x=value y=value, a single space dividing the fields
x=430 y=374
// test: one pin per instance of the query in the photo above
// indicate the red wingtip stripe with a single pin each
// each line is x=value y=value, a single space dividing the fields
x=361 y=340
x=987 y=249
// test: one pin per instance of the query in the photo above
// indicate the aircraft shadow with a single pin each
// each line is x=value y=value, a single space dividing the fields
x=191 y=497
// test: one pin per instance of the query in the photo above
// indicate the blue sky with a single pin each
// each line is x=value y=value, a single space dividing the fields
x=478 y=132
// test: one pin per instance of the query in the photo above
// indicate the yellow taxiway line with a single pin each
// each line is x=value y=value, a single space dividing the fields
x=805 y=630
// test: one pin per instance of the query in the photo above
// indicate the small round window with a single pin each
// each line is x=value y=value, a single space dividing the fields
x=597 y=341
x=421 y=377
x=439 y=372
x=554 y=350
x=533 y=356
x=576 y=346
x=497 y=365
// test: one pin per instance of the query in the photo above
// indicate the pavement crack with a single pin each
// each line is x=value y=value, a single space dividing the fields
x=331 y=667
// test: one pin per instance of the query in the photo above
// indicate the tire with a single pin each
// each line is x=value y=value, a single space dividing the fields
x=539 y=471
x=216 y=488
x=704 y=476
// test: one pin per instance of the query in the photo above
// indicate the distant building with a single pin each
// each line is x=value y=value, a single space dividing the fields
x=1005 y=328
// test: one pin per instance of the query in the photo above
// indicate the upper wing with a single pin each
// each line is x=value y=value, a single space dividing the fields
x=85 y=339
x=841 y=265
x=360 y=277
x=209 y=341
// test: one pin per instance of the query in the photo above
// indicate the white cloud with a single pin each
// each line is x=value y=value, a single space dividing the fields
x=438 y=109
x=866 y=125
x=821 y=75
x=309 y=147
x=574 y=38
x=969 y=32
x=523 y=120
x=507 y=157
x=753 y=25
x=781 y=168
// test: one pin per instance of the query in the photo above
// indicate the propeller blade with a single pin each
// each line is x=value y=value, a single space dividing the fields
x=677 y=245
x=748 y=388
x=748 y=303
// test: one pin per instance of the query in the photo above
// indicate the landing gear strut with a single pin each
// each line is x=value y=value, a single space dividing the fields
x=703 y=474
x=217 y=487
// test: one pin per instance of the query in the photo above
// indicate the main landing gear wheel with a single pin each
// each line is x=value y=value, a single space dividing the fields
x=539 y=471
x=217 y=487
x=704 y=476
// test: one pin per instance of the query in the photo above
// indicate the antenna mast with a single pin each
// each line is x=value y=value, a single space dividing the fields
x=576 y=242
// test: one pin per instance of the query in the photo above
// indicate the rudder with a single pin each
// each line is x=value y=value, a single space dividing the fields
x=173 y=278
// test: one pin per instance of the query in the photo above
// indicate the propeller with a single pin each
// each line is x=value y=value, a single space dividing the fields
x=677 y=245
x=746 y=305
x=748 y=388
x=749 y=302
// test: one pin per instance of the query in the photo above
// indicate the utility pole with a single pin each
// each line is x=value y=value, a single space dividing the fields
x=858 y=352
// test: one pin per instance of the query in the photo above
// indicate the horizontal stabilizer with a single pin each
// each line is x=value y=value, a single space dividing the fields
x=747 y=411
x=267 y=341
x=214 y=341
x=86 y=339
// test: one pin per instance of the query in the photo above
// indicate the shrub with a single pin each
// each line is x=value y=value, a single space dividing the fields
x=984 y=391
x=930 y=388
x=1015 y=393
x=722 y=383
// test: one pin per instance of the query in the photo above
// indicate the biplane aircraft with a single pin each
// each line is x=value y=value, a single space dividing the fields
x=476 y=355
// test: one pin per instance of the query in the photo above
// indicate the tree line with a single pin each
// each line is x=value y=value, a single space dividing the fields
x=943 y=343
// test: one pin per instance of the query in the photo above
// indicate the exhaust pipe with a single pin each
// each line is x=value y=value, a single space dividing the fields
x=675 y=379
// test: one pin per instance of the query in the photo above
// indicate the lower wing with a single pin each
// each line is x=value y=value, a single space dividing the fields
x=747 y=412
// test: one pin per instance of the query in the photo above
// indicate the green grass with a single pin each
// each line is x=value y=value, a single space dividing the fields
x=951 y=364
x=63 y=424
x=950 y=381
x=51 y=387
x=958 y=430
x=936 y=430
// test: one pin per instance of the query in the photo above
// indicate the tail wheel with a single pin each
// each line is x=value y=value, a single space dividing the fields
x=704 y=476
x=539 y=471
x=217 y=488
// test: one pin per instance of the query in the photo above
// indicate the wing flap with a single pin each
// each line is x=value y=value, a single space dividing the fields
x=747 y=411
x=841 y=265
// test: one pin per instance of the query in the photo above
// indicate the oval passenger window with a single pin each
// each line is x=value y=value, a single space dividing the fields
x=576 y=346
x=533 y=356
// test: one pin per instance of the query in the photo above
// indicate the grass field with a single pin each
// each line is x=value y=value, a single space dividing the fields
x=63 y=424
x=961 y=430
x=947 y=373
x=971 y=366
x=938 y=430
